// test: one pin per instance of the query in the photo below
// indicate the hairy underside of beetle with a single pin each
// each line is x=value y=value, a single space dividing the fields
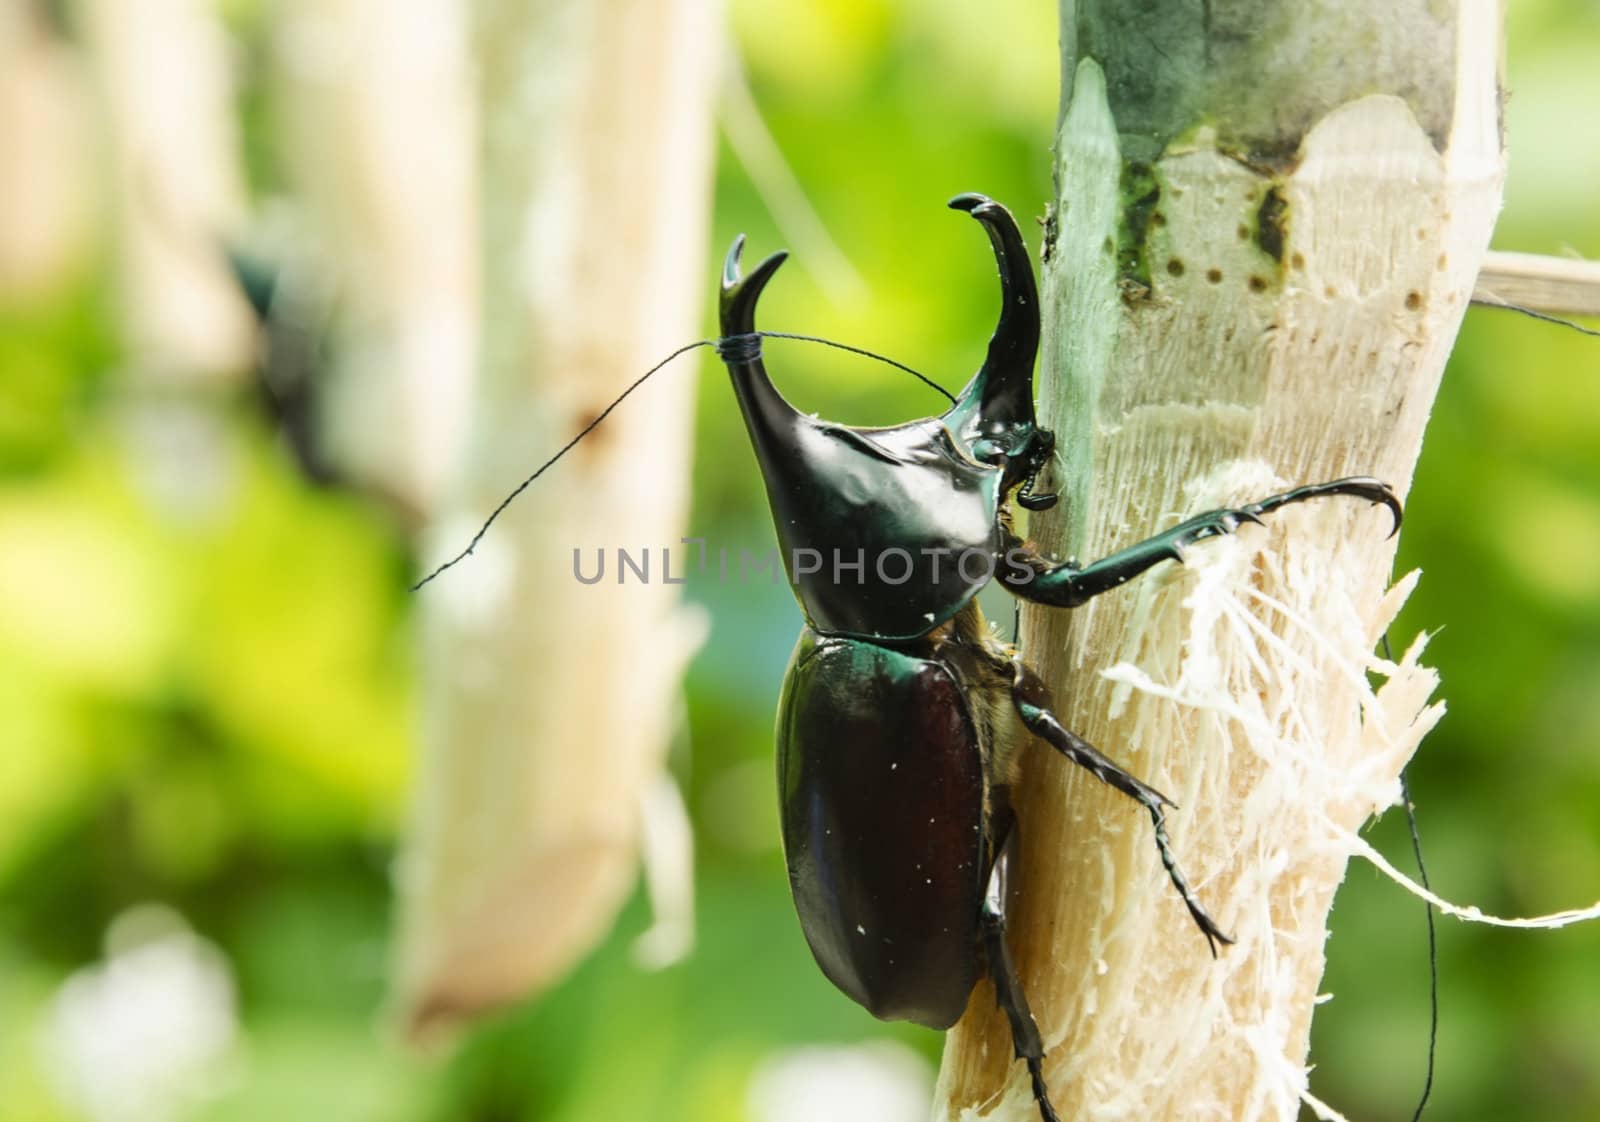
x=969 y=644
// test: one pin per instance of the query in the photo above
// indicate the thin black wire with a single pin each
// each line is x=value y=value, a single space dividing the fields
x=606 y=412
x=1433 y=950
x=927 y=381
x=1433 y=935
x=1531 y=314
x=565 y=448
x=1405 y=786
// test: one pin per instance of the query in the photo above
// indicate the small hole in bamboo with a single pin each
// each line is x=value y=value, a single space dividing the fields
x=1214 y=276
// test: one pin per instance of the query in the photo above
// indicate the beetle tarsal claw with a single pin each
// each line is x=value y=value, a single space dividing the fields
x=1041 y=1094
x=1038 y=502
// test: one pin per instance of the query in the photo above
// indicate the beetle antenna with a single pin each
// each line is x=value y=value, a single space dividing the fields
x=639 y=381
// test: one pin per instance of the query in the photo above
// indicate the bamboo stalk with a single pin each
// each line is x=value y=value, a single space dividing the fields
x=376 y=116
x=166 y=93
x=1267 y=233
x=1561 y=286
x=45 y=194
x=550 y=703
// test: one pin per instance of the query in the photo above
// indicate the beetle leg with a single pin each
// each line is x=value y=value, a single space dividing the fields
x=1068 y=585
x=1028 y=694
x=1008 y=995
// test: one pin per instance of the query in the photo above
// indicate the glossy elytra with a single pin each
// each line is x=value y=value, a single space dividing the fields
x=901 y=714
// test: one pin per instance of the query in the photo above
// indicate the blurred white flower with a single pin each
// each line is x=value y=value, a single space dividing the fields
x=881 y=1081
x=144 y=1035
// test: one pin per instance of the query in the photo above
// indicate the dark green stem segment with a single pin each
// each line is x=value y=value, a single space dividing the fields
x=1260 y=72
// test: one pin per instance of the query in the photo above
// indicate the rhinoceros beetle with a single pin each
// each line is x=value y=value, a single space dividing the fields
x=901 y=714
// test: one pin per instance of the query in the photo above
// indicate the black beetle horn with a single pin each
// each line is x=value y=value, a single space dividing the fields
x=739 y=294
x=778 y=431
x=999 y=399
x=772 y=421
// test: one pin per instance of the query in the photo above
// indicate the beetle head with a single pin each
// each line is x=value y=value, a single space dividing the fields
x=917 y=505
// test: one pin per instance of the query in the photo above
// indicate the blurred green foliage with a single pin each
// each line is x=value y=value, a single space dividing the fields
x=209 y=702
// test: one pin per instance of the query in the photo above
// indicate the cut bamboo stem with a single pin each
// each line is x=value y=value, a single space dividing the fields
x=1266 y=234
x=174 y=171
x=46 y=198
x=549 y=702
x=1557 y=286
x=377 y=120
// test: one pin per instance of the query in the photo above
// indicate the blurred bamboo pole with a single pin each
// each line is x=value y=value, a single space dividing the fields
x=549 y=703
x=1553 y=285
x=166 y=89
x=1267 y=233
x=45 y=197
x=379 y=134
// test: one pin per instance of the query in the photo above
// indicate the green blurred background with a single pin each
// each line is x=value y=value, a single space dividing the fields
x=209 y=705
